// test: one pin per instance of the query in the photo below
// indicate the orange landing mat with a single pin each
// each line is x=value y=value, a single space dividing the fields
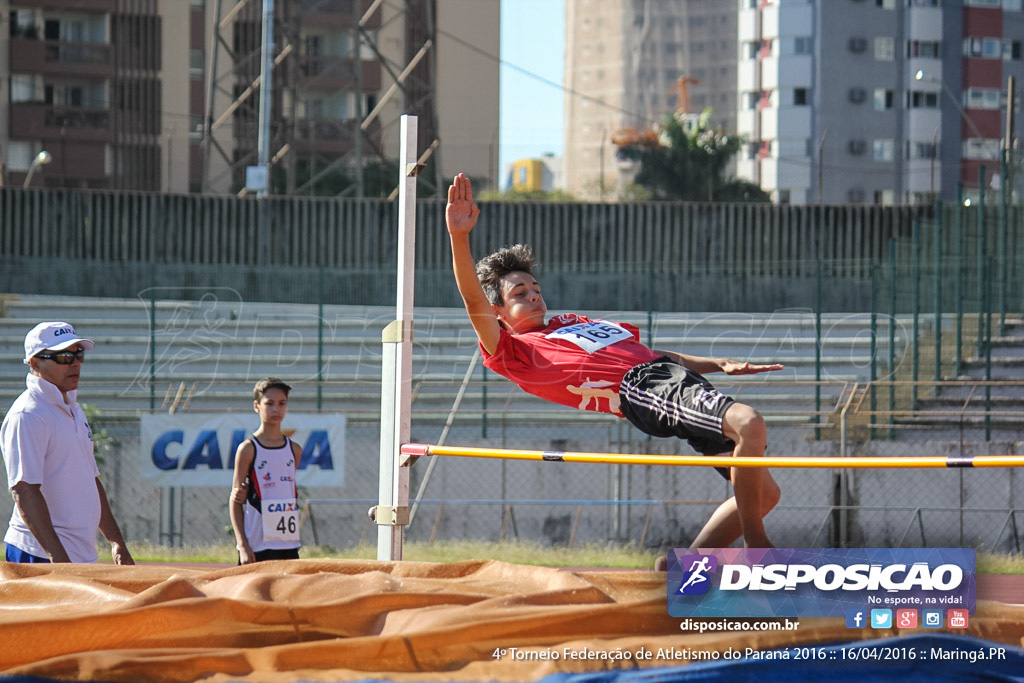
x=337 y=620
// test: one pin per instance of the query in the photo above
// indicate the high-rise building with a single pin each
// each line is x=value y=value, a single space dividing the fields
x=875 y=101
x=81 y=82
x=629 y=63
x=164 y=96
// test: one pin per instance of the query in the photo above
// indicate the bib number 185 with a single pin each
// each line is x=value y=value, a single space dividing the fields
x=592 y=336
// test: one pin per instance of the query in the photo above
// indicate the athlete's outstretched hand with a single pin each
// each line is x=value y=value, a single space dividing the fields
x=735 y=367
x=461 y=213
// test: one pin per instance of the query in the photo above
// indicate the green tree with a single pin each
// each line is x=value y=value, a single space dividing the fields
x=691 y=165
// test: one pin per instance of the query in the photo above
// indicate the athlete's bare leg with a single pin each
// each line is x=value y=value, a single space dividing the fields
x=756 y=490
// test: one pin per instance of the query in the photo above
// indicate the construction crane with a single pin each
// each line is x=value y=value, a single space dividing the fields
x=627 y=137
x=683 y=84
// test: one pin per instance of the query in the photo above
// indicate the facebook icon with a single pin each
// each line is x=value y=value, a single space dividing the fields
x=855 y=618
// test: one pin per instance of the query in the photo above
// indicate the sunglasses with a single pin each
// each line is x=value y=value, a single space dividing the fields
x=63 y=357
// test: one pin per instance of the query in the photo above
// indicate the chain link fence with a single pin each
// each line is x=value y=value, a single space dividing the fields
x=854 y=384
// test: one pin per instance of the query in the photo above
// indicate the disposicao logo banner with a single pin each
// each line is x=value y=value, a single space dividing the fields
x=817 y=582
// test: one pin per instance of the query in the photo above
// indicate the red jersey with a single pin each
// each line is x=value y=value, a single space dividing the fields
x=573 y=361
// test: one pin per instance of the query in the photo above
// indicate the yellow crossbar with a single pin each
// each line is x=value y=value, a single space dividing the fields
x=863 y=462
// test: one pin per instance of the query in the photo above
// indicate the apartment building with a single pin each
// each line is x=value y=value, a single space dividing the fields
x=630 y=62
x=81 y=83
x=876 y=101
x=164 y=96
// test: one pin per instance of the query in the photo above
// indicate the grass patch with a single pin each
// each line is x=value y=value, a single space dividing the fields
x=989 y=563
x=444 y=551
x=594 y=555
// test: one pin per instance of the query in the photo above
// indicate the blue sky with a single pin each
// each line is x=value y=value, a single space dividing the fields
x=533 y=59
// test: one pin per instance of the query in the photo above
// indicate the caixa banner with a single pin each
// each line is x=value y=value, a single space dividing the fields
x=817 y=582
x=198 y=449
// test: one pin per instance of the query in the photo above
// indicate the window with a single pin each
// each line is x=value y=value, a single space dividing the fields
x=1012 y=5
x=883 y=150
x=196 y=64
x=979 y=148
x=983 y=98
x=313 y=46
x=20 y=155
x=988 y=48
x=23 y=88
x=800 y=96
x=884 y=197
x=23 y=23
x=923 y=48
x=803 y=45
x=885 y=50
x=886 y=4
x=1012 y=50
x=983 y=3
x=74 y=31
x=924 y=3
x=883 y=99
x=921 y=150
x=923 y=99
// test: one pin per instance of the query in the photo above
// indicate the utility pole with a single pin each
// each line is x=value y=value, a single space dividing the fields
x=266 y=97
x=821 y=167
x=1011 y=94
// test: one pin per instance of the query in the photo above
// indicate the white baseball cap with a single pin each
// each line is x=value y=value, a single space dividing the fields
x=55 y=336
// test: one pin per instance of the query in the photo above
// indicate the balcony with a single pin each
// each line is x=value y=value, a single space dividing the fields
x=333 y=73
x=336 y=13
x=105 y=6
x=58 y=57
x=38 y=121
x=328 y=136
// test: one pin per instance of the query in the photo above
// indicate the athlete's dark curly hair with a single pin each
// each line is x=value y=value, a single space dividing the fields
x=491 y=269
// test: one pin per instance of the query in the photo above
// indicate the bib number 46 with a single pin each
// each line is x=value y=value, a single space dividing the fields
x=280 y=520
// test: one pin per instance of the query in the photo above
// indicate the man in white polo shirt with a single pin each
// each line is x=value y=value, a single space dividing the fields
x=59 y=502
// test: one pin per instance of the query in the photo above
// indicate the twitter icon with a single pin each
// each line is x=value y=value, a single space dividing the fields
x=881 y=618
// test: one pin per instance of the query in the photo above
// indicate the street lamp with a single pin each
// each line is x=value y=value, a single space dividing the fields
x=922 y=76
x=41 y=159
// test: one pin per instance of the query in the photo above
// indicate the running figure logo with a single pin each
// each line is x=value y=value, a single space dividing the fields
x=697 y=568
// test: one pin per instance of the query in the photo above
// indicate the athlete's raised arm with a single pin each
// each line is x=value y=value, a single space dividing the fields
x=460 y=216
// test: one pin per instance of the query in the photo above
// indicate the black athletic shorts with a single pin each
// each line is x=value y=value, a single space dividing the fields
x=663 y=398
x=275 y=554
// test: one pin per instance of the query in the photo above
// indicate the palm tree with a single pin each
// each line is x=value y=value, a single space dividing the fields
x=691 y=165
